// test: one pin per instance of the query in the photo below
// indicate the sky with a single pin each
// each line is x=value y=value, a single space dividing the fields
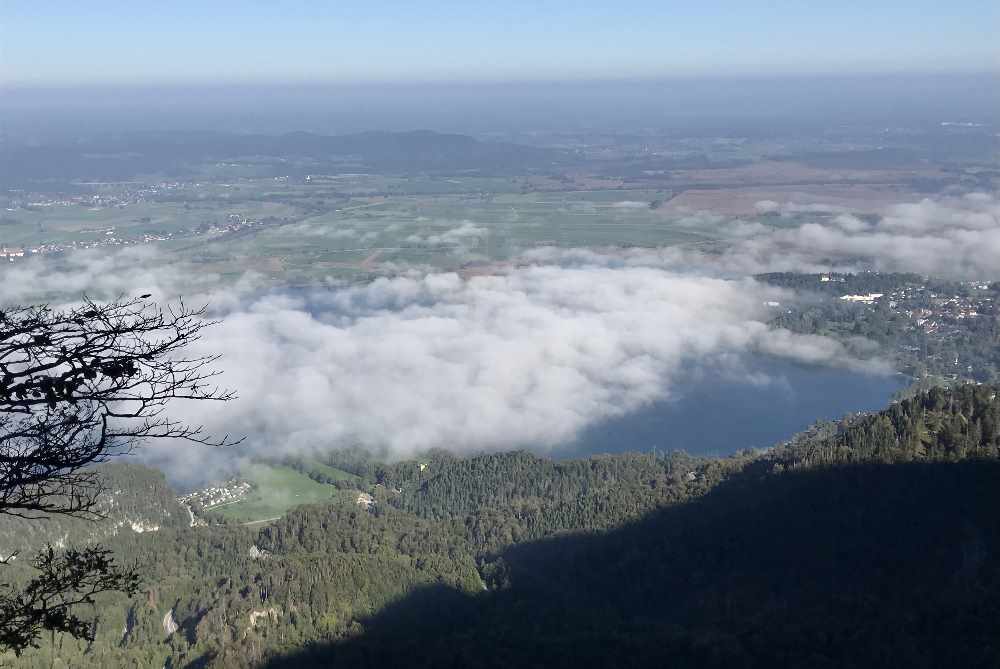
x=60 y=43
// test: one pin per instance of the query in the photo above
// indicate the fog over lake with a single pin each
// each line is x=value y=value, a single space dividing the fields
x=717 y=413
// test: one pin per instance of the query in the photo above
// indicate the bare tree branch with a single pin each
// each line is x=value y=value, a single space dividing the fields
x=78 y=387
x=64 y=582
x=82 y=385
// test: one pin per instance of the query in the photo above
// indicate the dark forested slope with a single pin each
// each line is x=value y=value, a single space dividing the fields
x=876 y=546
x=854 y=566
x=869 y=543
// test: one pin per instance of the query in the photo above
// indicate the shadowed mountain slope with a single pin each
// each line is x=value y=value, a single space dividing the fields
x=866 y=565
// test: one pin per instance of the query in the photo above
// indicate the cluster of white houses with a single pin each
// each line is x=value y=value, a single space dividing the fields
x=211 y=497
x=10 y=253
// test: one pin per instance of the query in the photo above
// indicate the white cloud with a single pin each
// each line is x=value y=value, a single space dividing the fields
x=767 y=207
x=310 y=229
x=106 y=275
x=850 y=223
x=955 y=238
x=789 y=208
x=529 y=357
x=494 y=362
x=461 y=235
x=461 y=238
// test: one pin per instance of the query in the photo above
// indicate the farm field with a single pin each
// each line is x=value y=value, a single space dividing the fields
x=385 y=235
x=348 y=228
x=276 y=490
x=68 y=224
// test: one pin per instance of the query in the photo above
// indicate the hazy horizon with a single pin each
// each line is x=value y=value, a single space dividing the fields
x=733 y=104
x=379 y=333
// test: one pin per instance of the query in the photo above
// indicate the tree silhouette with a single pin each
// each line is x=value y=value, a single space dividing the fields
x=79 y=386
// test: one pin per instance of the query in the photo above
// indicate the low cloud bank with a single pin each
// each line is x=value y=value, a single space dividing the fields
x=957 y=238
x=100 y=275
x=332 y=233
x=462 y=237
x=791 y=208
x=528 y=358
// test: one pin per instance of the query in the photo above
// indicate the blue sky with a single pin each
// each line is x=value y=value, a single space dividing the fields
x=57 y=42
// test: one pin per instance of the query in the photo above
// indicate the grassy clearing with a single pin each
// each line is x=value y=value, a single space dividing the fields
x=276 y=490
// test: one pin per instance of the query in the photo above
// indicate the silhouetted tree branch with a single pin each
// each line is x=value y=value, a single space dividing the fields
x=77 y=387
x=65 y=581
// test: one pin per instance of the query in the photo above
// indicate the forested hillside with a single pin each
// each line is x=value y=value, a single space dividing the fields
x=135 y=499
x=860 y=566
x=867 y=543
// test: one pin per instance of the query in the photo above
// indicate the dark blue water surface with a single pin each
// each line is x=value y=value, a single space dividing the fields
x=718 y=413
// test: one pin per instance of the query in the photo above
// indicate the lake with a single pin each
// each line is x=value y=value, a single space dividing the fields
x=718 y=414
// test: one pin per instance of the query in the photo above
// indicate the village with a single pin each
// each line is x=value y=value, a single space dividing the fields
x=213 y=497
x=234 y=223
x=939 y=312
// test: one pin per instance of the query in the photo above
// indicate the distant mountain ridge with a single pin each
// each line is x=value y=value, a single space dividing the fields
x=129 y=155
